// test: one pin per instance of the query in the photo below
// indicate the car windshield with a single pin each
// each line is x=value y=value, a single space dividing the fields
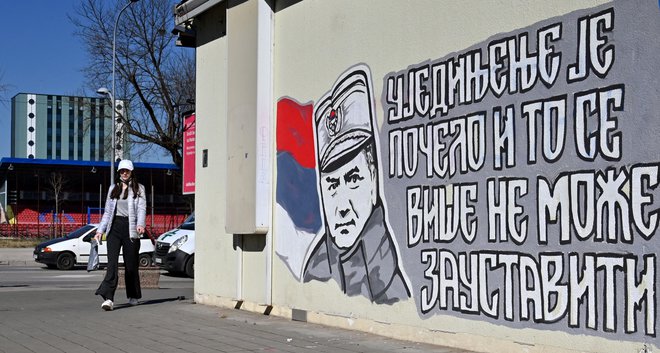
x=189 y=223
x=80 y=231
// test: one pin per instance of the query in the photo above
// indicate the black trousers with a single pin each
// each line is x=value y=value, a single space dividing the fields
x=119 y=237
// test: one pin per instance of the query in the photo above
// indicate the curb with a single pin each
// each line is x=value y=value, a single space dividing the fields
x=17 y=263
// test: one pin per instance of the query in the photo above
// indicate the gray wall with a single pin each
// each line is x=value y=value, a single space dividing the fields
x=498 y=273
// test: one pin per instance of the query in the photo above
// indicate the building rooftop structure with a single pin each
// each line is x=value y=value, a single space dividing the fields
x=28 y=188
x=47 y=126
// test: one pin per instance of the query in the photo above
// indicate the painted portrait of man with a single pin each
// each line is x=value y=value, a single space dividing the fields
x=356 y=247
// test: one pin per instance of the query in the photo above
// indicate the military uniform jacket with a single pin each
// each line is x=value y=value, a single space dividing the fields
x=370 y=267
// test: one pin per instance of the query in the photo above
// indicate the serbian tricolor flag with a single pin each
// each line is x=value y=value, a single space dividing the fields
x=298 y=218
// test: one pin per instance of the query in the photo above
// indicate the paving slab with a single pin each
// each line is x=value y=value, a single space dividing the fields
x=41 y=315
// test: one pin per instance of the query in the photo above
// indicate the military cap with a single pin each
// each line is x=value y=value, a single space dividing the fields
x=343 y=118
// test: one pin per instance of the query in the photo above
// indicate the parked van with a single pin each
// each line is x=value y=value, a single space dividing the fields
x=175 y=249
x=73 y=249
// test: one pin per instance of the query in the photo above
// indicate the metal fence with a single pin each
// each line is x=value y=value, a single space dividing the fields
x=161 y=224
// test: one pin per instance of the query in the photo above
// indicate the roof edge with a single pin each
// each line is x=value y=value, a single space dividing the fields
x=187 y=10
x=11 y=160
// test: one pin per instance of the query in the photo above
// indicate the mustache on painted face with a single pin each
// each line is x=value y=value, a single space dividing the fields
x=340 y=225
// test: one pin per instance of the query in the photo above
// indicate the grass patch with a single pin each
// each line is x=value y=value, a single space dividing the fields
x=19 y=243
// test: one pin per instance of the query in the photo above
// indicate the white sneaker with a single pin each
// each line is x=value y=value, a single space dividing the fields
x=107 y=305
x=132 y=301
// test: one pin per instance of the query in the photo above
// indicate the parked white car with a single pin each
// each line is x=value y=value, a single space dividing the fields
x=175 y=249
x=66 y=252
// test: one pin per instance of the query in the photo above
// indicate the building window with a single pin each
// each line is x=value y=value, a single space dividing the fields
x=72 y=134
x=92 y=130
x=58 y=127
x=81 y=131
x=102 y=130
x=49 y=127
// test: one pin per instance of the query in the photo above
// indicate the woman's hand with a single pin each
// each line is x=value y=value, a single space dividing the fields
x=140 y=229
x=98 y=236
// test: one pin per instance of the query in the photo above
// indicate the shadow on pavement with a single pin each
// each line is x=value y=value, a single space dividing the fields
x=173 y=274
x=151 y=302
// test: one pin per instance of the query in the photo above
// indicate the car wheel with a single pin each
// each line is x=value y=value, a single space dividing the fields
x=65 y=261
x=190 y=267
x=144 y=260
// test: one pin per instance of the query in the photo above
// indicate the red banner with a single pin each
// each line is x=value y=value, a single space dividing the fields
x=189 y=154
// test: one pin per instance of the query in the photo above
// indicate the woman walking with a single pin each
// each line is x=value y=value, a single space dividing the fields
x=123 y=221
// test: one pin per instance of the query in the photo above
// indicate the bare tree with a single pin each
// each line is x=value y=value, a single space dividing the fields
x=4 y=87
x=152 y=74
x=56 y=183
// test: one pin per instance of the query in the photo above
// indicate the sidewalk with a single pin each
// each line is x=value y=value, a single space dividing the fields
x=17 y=257
x=70 y=319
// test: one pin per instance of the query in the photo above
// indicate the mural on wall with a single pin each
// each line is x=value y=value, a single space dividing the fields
x=356 y=248
x=340 y=189
x=297 y=206
x=522 y=174
x=517 y=179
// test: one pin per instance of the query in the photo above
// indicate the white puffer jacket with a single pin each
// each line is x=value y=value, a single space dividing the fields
x=137 y=211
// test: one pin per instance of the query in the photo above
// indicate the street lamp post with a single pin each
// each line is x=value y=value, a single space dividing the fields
x=112 y=94
x=106 y=92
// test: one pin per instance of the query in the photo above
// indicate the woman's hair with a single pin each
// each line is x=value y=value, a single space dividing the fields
x=132 y=183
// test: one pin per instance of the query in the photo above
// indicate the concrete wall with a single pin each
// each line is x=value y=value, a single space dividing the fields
x=216 y=261
x=532 y=206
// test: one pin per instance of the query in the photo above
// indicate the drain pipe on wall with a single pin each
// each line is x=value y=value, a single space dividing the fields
x=265 y=140
x=238 y=240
